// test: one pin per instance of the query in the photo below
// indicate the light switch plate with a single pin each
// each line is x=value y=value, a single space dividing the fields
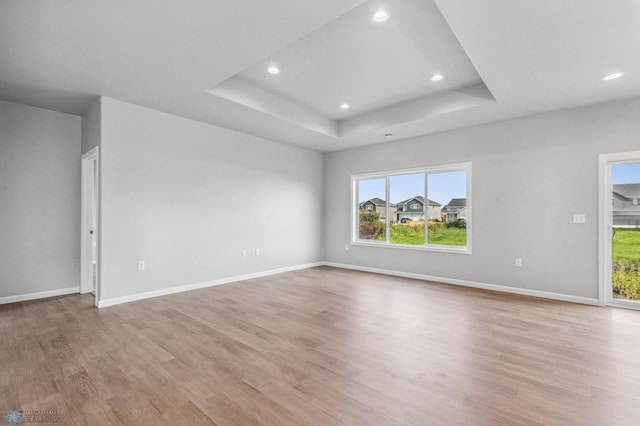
x=579 y=218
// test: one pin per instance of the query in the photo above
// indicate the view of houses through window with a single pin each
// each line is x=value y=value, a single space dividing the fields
x=425 y=208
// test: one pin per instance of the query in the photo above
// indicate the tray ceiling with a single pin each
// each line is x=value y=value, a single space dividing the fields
x=207 y=61
x=357 y=74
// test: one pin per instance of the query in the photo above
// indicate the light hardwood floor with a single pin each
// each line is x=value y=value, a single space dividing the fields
x=323 y=346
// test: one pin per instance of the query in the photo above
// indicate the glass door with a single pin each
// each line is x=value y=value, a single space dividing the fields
x=621 y=229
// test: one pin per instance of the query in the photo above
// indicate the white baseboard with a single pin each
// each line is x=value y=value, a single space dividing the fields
x=39 y=295
x=493 y=287
x=188 y=287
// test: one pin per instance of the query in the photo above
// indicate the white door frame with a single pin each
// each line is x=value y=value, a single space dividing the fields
x=605 y=226
x=90 y=221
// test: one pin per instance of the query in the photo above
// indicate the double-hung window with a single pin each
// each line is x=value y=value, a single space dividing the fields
x=427 y=208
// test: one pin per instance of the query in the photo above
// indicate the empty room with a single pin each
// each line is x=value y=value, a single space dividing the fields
x=294 y=212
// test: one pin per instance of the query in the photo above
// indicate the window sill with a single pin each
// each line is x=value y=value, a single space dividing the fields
x=433 y=248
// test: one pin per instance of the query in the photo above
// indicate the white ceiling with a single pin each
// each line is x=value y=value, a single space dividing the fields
x=367 y=64
x=501 y=59
x=382 y=70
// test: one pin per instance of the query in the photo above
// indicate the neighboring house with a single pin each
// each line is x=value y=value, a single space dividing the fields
x=626 y=205
x=455 y=210
x=413 y=209
x=378 y=205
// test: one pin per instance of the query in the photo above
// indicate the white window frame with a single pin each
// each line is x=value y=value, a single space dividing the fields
x=456 y=167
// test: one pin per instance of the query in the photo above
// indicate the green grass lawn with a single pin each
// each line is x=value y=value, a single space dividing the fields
x=625 y=278
x=448 y=236
x=626 y=245
x=407 y=234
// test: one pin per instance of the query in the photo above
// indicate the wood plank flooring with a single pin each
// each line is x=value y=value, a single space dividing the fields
x=322 y=346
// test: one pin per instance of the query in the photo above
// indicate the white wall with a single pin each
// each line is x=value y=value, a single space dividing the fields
x=529 y=176
x=39 y=201
x=187 y=197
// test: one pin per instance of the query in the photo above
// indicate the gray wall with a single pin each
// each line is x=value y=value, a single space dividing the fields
x=529 y=176
x=187 y=197
x=39 y=200
x=91 y=126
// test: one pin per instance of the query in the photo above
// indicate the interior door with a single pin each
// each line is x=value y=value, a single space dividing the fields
x=94 y=225
x=90 y=235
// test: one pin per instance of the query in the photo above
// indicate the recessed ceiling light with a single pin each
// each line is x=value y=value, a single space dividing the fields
x=380 y=16
x=273 y=70
x=388 y=135
x=345 y=106
x=613 y=76
x=437 y=77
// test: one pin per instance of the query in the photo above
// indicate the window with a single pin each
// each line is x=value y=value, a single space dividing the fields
x=427 y=208
x=369 y=207
x=370 y=227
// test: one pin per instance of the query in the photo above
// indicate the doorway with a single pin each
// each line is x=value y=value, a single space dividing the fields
x=90 y=236
x=620 y=229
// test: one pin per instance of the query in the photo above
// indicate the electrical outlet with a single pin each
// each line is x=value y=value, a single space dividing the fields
x=140 y=265
x=346 y=246
x=258 y=252
x=518 y=262
x=243 y=253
